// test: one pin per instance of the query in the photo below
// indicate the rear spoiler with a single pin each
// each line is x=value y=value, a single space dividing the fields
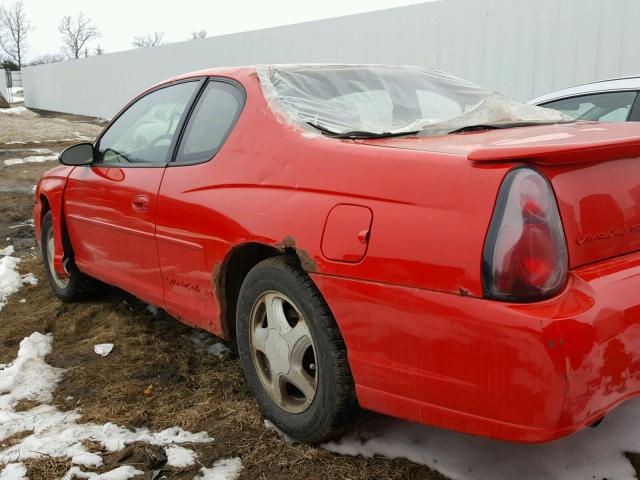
x=583 y=143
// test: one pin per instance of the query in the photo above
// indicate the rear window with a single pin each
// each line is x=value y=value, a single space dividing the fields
x=380 y=99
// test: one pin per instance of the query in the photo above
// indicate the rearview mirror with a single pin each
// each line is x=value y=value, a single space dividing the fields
x=80 y=154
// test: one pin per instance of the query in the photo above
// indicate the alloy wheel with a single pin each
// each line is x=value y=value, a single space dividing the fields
x=283 y=352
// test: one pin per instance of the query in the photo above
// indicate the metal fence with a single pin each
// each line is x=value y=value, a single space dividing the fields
x=16 y=79
x=9 y=83
x=517 y=47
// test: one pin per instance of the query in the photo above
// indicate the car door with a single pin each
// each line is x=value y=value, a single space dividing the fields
x=192 y=233
x=110 y=206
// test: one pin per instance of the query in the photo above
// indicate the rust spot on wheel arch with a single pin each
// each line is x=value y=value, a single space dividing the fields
x=288 y=245
x=218 y=282
x=226 y=283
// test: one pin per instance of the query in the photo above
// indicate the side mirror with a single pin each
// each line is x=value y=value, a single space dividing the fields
x=81 y=154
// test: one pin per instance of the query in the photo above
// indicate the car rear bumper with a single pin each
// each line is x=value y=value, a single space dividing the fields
x=522 y=372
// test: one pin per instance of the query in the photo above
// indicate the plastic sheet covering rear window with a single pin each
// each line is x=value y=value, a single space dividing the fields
x=389 y=99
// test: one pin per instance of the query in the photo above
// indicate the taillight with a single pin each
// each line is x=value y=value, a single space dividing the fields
x=525 y=254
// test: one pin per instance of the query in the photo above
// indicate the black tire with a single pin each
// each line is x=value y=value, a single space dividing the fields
x=334 y=407
x=78 y=285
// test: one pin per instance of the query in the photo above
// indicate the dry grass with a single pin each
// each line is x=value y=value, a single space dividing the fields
x=24 y=405
x=14 y=439
x=47 y=468
x=193 y=390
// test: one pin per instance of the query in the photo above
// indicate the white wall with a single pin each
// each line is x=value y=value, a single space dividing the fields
x=522 y=48
x=3 y=85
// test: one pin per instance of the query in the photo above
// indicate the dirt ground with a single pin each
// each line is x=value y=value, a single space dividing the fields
x=46 y=128
x=192 y=389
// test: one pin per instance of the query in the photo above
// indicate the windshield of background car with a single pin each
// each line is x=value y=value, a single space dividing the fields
x=599 y=107
x=382 y=99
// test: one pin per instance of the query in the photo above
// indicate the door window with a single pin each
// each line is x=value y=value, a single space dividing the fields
x=602 y=107
x=143 y=133
x=211 y=121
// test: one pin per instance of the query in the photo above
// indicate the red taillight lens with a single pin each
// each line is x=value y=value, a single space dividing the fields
x=525 y=254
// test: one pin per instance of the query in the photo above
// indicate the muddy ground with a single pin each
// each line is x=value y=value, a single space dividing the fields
x=192 y=389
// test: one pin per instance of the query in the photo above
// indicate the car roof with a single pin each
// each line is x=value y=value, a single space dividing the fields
x=249 y=69
x=218 y=71
x=610 y=85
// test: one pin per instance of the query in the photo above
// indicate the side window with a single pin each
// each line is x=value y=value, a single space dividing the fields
x=143 y=133
x=602 y=107
x=211 y=121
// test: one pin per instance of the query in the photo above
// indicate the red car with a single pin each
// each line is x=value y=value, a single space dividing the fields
x=378 y=237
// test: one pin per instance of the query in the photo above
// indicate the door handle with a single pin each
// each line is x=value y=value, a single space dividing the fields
x=140 y=203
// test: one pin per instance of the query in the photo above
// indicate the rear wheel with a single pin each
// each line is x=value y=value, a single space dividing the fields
x=73 y=287
x=293 y=354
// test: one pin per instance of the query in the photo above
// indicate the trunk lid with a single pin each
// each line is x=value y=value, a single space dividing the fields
x=594 y=169
x=600 y=207
x=572 y=143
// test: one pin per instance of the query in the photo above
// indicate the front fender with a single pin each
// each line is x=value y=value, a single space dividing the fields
x=50 y=189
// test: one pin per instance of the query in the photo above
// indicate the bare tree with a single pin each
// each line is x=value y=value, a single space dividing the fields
x=76 y=32
x=198 y=34
x=14 y=29
x=99 y=50
x=149 y=40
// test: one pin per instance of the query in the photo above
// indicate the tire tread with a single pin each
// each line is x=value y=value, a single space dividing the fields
x=346 y=411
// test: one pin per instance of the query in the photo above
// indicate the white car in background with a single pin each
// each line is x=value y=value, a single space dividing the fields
x=615 y=100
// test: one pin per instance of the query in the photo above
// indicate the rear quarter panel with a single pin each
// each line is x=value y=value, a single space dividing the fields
x=430 y=210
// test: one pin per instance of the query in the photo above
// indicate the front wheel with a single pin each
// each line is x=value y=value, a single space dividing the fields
x=71 y=288
x=292 y=353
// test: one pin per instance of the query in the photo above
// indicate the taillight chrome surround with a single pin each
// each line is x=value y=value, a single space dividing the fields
x=525 y=253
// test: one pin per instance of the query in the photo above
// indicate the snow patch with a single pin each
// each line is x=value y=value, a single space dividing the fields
x=39 y=150
x=10 y=280
x=13 y=111
x=56 y=433
x=80 y=136
x=218 y=349
x=26 y=223
x=28 y=377
x=206 y=342
x=179 y=457
x=121 y=473
x=51 y=140
x=226 y=469
x=14 y=471
x=31 y=159
x=590 y=453
x=284 y=436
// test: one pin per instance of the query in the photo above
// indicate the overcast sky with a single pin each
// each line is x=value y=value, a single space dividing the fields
x=120 y=20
